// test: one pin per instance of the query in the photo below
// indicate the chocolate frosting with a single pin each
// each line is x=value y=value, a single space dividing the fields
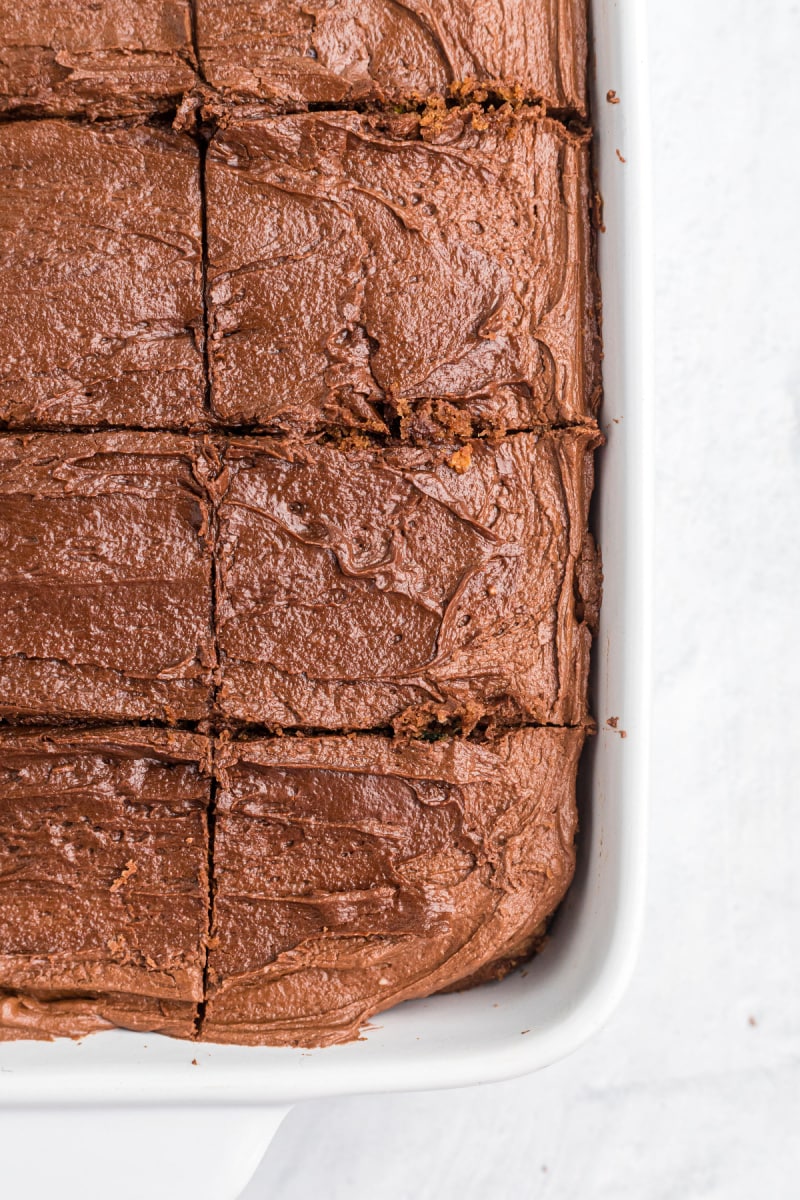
x=103 y=880
x=361 y=587
x=105 y=577
x=363 y=269
x=405 y=298
x=296 y=52
x=352 y=873
x=100 y=57
x=101 y=280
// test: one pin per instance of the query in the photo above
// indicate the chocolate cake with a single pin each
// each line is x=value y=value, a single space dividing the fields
x=299 y=379
x=103 y=880
x=100 y=242
x=359 y=588
x=363 y=269
x=297 y=52
x=105 y=577
x=100 y=57
x=352 y=873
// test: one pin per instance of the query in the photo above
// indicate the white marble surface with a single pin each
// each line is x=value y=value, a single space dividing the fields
x=693 y=1090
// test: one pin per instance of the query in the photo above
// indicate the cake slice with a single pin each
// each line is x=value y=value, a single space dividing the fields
x=298 y=52
x=353 y=873
x=100 y=239
x=103 y=880
x=369 y=272
x=105 y=577
x=98 y=57
x=358 y=588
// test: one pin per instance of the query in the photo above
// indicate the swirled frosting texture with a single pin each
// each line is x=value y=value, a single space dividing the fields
x=297 y=52
x=105 y=577
x=99 y=57
x=362 y=587
x=103 y=880
x=100 y=276
x=363 y=269
x=354 y=873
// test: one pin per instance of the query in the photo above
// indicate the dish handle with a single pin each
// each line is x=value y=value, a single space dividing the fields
x=165 y=1153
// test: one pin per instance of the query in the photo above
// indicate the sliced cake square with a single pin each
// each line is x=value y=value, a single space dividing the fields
x=368 y=271
x=358 y=588
x=98 y=57
x=298 y=52
x=105 y=577
x=101 y=280
x=352 y=873
x=103 y=880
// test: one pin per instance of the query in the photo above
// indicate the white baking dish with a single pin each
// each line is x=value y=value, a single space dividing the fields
x=132 y=1116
